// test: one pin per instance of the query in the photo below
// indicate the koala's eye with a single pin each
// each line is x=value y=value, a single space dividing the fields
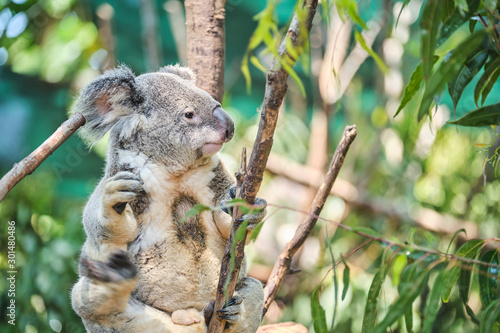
x=189 y=115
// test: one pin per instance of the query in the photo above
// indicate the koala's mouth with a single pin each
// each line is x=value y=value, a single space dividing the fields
x=210 y=148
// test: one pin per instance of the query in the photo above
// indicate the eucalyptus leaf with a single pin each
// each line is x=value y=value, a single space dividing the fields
x=467 y=72
x=452 y=273
x=487 y=80
x=345 y=281
x=448 y=69
x=380 y=63
x=405 y=300
x=433 y=303
x=489 y=317
x=485 y=116
x=429 y=25
x=318 y=313
x=488 y=277
x=370 y=315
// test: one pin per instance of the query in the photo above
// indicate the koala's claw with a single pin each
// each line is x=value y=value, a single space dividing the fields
x=116 y=269
x=121 y=189
x=254 y=218
x=231 y=311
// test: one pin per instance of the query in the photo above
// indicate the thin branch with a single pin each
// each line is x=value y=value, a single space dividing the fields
x=30 y=163
x=206 y=44
x=275 y=92
x=282 y=265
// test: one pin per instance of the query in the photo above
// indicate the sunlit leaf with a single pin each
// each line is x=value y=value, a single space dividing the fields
x=380 y=63
x=429 y=25
x=487 y=80
x=318 y=313
x=489 y=316
x=433 y=303
x=345 y=280
x=397 y=268
x=370 y=315
x=256 y=62
x=462 y=5
x=456 y=20
x=485 y=116
x=448 y=69
x=467 y=72
x=405 y=300
x=246 y=73
x=468 y=250
x=195 y=210
x=488 y=277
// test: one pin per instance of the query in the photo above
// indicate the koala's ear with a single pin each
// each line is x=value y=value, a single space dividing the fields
x=110 y=99
x=184 y=72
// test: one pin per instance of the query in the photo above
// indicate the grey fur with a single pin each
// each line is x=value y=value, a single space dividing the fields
x=143 y=266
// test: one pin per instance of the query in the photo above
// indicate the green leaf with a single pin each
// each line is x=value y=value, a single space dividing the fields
x=380 y=63
x=488 y=277
x=370 y=316
x=489 y=316
x=429 y=25
x=412 y=87
x=397 y=268
x=345 y=280
x=485 y=116
x=464 y=282
x=238 y=236
x=246 y=73
x=452 y=273
x=448 y=69
x=455 y=235
x=433 y=303
x=405 y=300
x=195 y=210
x=467 y=72
x=256 y=62
x=256 y=231
x=487 y=80
x=407 y=280
x=318 y=313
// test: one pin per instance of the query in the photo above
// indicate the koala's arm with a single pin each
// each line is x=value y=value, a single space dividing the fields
x=108 y=218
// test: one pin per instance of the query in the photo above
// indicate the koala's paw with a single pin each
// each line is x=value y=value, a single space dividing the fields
x=118 y=268
x=121 y=189
x=232 y=310
x=186 y=317
x=254 y=217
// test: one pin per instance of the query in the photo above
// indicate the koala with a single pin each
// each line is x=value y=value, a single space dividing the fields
x=144 y=266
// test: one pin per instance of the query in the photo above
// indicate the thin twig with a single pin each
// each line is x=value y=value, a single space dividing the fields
x=30 y=163
x=275 y=92
x=282 y=265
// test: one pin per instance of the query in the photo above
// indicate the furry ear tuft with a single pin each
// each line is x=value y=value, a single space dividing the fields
x=111 y=98
x=184 y=72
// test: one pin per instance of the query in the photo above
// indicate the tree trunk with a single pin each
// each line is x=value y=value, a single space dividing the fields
x=206 y=44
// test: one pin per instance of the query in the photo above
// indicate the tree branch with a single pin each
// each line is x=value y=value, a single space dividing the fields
x=282 y=265
x=206 y=44
x=30 y=163
x=275 y=92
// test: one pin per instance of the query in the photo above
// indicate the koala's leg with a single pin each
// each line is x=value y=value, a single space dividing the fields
x=102 y=298
x=243 y=313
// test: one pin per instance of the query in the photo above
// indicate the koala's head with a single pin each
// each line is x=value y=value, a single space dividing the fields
x=163 y=115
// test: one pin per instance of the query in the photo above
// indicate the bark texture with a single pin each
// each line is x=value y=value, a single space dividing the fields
x=282 y=265
x=30 y=163
x=206 y=44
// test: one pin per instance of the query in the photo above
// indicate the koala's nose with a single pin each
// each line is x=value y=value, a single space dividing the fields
x=225 y=122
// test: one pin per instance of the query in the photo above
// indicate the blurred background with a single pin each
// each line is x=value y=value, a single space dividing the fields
x=409 y=181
